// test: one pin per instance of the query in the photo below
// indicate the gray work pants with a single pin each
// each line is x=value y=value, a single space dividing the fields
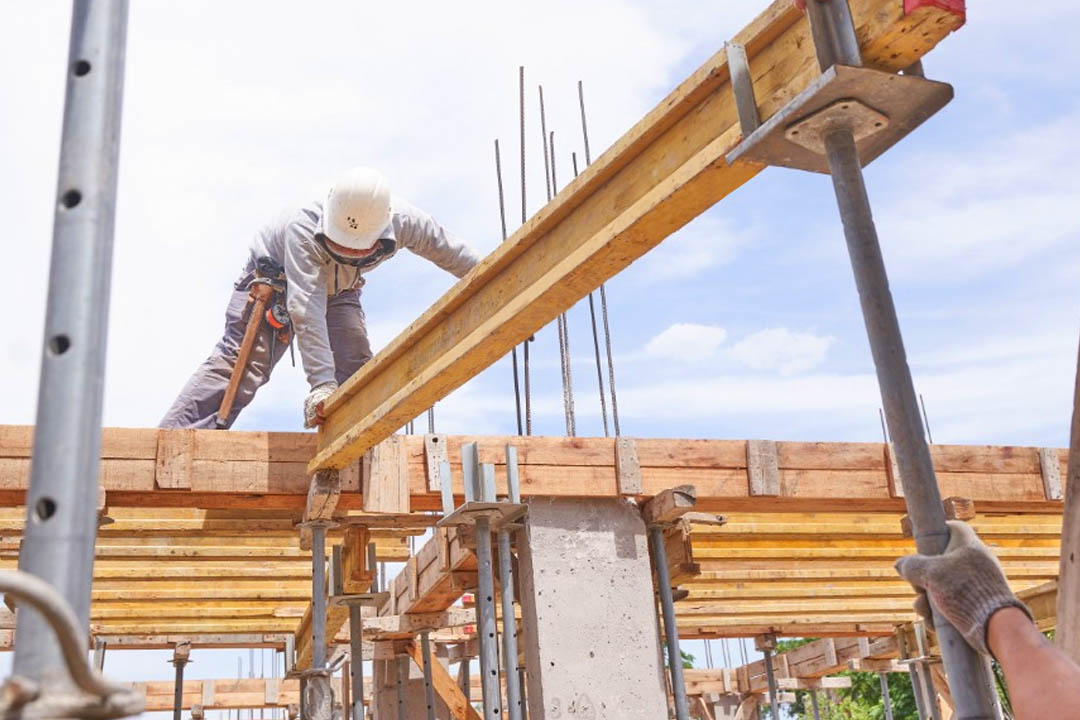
x=198 y=402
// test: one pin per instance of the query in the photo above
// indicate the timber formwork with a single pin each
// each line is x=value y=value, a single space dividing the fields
x=199 y=537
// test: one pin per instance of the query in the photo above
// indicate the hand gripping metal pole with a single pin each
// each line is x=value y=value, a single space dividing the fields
x=968 y=681
x=671 y=631
x=61 y=503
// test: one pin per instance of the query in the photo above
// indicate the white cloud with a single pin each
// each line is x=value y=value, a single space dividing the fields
x=782 y=350
x=708 y=242
x=687 y=342
x=980 y=210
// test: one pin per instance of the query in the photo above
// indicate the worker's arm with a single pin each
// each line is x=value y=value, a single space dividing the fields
x=418 y=231
x=968 y=587
x=1043 y=682
x=306 y=273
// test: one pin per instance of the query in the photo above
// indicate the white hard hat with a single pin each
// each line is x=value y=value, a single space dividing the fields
x=357 y=209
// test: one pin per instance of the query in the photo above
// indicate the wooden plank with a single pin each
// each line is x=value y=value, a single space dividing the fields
x=762 y=472
x=664 y=172
x=434 y=456
x=385 y=478
x=669 y=505
x=174 y=459
x=443 y=684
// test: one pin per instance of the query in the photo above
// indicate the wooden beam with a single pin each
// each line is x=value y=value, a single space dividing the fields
x=249 y=486
x=662 y=173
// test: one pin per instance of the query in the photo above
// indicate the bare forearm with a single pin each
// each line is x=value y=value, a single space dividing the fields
x=1042 y=681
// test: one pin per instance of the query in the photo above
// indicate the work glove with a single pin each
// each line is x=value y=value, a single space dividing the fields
x=315 y=398
x=965 y=583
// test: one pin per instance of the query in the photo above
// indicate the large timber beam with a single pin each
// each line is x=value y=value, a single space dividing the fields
x=662 y=173
x=255 y=484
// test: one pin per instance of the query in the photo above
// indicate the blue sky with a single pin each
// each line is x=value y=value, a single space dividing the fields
x=744 y=324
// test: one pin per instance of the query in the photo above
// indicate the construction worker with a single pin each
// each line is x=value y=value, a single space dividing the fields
x=319 y=255
x=968 y=587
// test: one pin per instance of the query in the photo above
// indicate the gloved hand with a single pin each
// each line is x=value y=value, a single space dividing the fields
x=966 y=584
x=318 y=394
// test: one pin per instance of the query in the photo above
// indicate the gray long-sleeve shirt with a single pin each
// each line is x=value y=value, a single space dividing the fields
x=312 y=274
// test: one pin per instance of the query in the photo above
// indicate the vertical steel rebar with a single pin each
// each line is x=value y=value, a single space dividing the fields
x=509 y=634
x=61 y=502
x=524 y=216
x=968 y=681
x=671 y=631
x=485 y=612
x=502 y=223
x=603 y=290
x=429 y=690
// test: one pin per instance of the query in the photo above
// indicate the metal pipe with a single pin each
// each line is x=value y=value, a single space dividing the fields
x=886 y=699
x=429 y=690
x=969 y=684
x=99 y=655
x=509 y=634
x=524 y=699
x=402 y=677
x=178 y=688
x=917 y=690
x=356 y=666
x=770 y=677
x=671 y=632
x=485 y=612
x=814 y=705
x=61 y=502
x=318 y=596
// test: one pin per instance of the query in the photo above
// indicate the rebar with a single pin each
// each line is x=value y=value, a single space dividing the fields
x=502 y=222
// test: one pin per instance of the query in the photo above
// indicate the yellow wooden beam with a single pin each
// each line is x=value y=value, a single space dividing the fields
x=661 y=174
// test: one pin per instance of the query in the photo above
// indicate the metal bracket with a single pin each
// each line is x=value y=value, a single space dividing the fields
x=743 y=88
x=904 y=101
x=500 y=514
x=810 y=132
x=372 y=599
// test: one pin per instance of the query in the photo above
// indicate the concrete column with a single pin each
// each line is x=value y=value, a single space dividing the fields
x=385 y=697
x=589 y=635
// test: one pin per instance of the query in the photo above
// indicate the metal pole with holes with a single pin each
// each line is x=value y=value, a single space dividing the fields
x=356 y=667
x=485 y=612
x=429 y=690
x=671 y=632
x=402 y=663
x=886 y=699
x=767 y=646
x=181 y=653
x=61 y=502
x=515 y=705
